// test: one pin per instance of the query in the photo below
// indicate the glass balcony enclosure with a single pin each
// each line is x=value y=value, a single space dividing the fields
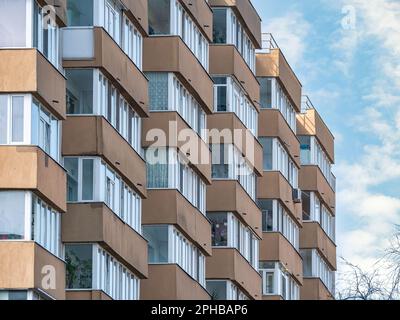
x=89 y=92
x=24 y=24
x=224 y=290
x=91 y=267
x=169 y=246
x=24 y=121
x=168 y=17
x=312 y=153
x=229 y=30
x=276 y=281
x=109 y=14
x=24 y=216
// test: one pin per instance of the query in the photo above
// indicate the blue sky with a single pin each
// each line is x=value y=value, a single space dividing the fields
x=346 y=53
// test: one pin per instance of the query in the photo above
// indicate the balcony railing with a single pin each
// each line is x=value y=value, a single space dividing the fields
x=268 y=43
x=306 y=104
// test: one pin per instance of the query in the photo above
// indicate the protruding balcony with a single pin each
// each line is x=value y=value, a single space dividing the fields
x=272 y=63
x=314 y=289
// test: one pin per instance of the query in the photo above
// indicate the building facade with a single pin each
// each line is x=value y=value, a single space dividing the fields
x=158 y=150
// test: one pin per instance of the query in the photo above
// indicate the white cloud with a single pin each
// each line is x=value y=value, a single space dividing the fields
x=290 y=31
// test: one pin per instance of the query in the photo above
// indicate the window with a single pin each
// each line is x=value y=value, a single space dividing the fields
x=224 y=290
x=90 y=93
x=168 y=17
x=168 y=245
x=229 y=96
x=91 y=267
x=274 y=97
x=315 y=210
x=159 y=17
x=228 y=231
x=91 y=180
x=20 y=209
x=14 y=113
x=276 y=158
x=13 y=27
x=220 y=26
x=276 y=281
x=167 y=93
x=167 y=169
x=276 y=219
x=80 y=13
x=132 y=42
x=228 y=30
x=315 y=266
x=228 y=163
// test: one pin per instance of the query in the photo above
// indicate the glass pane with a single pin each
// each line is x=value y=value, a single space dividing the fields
x=221 y=99
x=305 y=149
x=266 y=92
x=17 y=119
x=267 y=214
x=267 y=150
x=220 y=161
x=219 y=229
x=158 y=90
x=306 y=204
x=12 y=215
x=80 y=12
x=159 y=17
x=157 y=236
x=13 y=295
x=35 y=123
x=12 y=23
x=71 y=165
x=87 y=176
x=157 y=168
x=307 y=262
x=79 y=261
x=217 y=289
x=3 y=119
x=219 y=29
x=79 y=91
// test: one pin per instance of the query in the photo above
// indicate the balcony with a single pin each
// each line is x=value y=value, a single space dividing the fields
x=94 y=136
x=273 y=124
x=313 y=236
x=273 y=185
x=171 y=54
x=170 y=282
x=92 y=47
x=202 y=14
x=170 y=207
x=226 y=60
x=94 y=222
x=314 y=289
x=247 y=13
x=310 y=123
x=311 y=178
x=272 y=63
x=23 y=265
x=86 y=295
x=227 y=263
x=28 y=71
x=275 y=248
x=229 y=196
x=242 y=138
x=29 y=168
x=176 y=130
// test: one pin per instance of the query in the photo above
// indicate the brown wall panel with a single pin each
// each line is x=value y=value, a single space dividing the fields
x=314 y=289
x=170 y=54
x=227 y=263
x=170 y=207
x=226 y=60
x=229 y=196
x=96 y=223
x=94 y=136
x=29 y=168
x=170 y=282
x=275 y=247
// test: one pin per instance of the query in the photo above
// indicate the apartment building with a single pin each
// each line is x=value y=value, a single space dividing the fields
x=176 y=62
x=158 y=150
x=232 y=270
x=318 y=185
x=278 y=191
